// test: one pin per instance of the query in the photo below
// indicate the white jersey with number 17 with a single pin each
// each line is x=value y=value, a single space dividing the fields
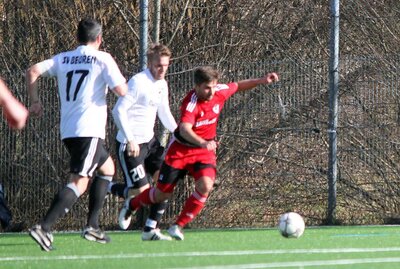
x=82 y=76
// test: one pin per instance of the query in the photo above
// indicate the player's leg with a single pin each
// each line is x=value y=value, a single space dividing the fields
x=98 y=191
x=118 y=188
x=153 y=164
x=136 y=178
x=66 y=197
x=150 y=231
x=64 y=200
x=147 y=197
x=154 y=160
x=97 y=194
x=154 y=195
x=204 y=175
x=133 y=169
x=61 y=204
x=169 y=176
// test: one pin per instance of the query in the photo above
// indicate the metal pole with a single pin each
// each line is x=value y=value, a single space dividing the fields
x=163 y=134
x=142 y=214
x=157 y=18
x=144 y=11
x=333 y=111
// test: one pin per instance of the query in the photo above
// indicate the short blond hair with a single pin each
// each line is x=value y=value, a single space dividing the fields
x=158 y=50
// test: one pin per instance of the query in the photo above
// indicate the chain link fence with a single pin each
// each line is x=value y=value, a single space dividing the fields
x=272 y=156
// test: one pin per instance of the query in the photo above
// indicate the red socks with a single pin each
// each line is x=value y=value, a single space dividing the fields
x=144 y=198
x=194 y=204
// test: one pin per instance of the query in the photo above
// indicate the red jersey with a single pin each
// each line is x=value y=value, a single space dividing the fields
x=203 y=115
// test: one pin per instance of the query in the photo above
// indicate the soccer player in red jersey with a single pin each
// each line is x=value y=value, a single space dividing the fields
x=193 y=151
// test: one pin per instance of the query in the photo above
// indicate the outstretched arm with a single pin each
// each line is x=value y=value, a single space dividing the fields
x=248 y=84
x=14 y=111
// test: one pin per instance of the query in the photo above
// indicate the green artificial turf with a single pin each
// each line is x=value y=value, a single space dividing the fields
x=325 y=247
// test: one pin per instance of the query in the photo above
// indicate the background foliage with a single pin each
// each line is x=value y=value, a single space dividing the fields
x=273 y=154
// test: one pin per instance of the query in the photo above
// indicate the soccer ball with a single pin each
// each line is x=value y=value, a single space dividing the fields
x=291 y=225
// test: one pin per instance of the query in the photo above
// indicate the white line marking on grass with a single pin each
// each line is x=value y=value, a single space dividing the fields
x=301 y=264
x=200 y=254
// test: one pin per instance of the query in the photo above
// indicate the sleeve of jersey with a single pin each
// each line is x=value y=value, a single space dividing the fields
x=165 y=115
x=227 y=90
x=188 y=109
x=120 y=115
x=47 y=68
x=112 y=73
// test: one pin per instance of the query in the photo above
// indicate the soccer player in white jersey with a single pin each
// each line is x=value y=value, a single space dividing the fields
x=83 y=75
x=139 y=151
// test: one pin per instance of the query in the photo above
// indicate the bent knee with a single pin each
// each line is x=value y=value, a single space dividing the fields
x=161 y=196
x=204 y=185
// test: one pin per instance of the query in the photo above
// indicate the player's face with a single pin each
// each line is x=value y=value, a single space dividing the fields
x=206 y=90
x=158 y=67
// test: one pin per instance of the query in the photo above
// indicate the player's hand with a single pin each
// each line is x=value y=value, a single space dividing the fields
x=271 y=77
x=133 y=149
x=36 y=109
x=210 y=145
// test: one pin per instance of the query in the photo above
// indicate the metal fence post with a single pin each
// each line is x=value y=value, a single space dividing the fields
x=333 y=110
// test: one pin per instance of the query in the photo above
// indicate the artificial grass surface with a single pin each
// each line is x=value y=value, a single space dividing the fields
x=325 y=247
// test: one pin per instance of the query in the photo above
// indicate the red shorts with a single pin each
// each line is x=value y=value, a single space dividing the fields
x=179 y=156
x=180 y=160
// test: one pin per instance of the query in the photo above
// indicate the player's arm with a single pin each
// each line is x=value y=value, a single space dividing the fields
x=14 y=111
x=186 y=131
x=113 y=76
x=248 y=84
x=120 y=90
x=121 y=119
x=165 y=115
x=32 y=76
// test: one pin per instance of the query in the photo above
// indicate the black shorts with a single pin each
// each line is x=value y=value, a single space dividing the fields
x=135 y=169
x=87 y=154
x=169 y=176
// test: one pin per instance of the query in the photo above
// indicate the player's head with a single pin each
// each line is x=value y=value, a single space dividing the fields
x=158 y=56
x=205 y=80
x=89 y=31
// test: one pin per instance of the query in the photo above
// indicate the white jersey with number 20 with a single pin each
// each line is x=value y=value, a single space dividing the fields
x=83 y=75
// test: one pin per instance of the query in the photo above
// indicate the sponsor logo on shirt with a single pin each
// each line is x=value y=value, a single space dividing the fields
x=205 y=122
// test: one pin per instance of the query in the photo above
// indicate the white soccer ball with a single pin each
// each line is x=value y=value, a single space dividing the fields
x=291 y=225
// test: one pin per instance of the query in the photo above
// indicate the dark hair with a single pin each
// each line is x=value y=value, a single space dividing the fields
x=88 y=31
x=158 y=50
x=205 y=74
